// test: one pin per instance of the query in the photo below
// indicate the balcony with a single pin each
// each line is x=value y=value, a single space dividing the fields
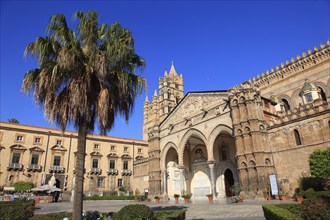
x=56 y=169
x=15 y=166
x=112 y=172
x=126 y=172
x=34 y=167
x=95 y=170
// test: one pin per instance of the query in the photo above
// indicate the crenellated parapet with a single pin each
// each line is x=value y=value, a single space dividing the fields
x=290 y=67
x=300 y=113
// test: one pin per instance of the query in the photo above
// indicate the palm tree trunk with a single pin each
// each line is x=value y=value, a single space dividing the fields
x=80 y=165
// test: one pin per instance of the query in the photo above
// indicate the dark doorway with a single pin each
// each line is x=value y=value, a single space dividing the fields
x=229 y=181
x=58 y=183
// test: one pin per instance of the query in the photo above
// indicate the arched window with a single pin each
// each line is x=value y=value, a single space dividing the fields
x=297 y=137
x=286 y=106
x=322 y=94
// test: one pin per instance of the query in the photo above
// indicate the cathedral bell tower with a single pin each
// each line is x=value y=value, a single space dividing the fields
x=170 y=94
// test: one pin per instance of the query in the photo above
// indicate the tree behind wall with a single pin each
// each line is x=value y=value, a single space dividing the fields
x=83 y=75
x=13 y=120
x=319 y=162
x=23 y=186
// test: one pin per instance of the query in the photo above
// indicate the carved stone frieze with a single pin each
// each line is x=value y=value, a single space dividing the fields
x=195 y=103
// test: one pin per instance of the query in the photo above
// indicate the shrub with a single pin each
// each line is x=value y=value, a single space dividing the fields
x=170 y=214
x=315 y=208
x=311 y=194
x=319 y=162
x=318 y=184
x=23 y=186
x=135 y=212
x=277 y=212
x=20 y=209
x=52 y=216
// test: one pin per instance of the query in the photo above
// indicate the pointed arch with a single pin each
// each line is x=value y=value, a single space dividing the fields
x=164 y=151
x=185 y=138
x=297 y=137
x=213 y=136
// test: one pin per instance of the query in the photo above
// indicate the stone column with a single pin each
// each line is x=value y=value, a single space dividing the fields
x=211 y=166
x=165 y=181
x=182 y=180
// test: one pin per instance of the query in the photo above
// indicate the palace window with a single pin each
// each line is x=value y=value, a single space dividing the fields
x=57 y=161
x=120 y=182
x=19 y=138
x=58 y=142
x=125 y=149
x=37 y=140
x=113 y=148
x=140 y=151
x=96 y=146
x=297 y=137
x=35 y=159
x=100 y=182
x=95 y=163
x=16 y=157
x=112 y=164
x=125 y=166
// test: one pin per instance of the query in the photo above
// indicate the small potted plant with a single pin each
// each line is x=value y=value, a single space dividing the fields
x=157 y=198
x=299 y=195
x=176 y=197
x=186 y=197
x=210 y=197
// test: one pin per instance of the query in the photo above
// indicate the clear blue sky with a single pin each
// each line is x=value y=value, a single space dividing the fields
x=214 y=44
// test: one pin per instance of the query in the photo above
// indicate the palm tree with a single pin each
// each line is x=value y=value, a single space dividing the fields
x=13 y=120
x=83 y=75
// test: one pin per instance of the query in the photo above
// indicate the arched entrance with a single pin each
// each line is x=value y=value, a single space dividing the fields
x=171 y=174
x=229 y=182
x=224 y=154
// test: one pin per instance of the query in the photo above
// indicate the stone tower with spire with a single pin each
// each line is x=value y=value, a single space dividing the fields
x=170 y=94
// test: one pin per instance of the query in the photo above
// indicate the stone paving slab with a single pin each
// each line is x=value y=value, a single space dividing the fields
x=197 y=210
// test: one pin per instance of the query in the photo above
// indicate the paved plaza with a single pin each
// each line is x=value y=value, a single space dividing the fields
x=198 y=209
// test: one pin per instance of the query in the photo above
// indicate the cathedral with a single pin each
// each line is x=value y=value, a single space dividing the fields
x=205 y=142
x=201 y=142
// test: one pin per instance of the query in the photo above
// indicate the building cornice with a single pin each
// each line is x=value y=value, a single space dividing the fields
x=68 y=134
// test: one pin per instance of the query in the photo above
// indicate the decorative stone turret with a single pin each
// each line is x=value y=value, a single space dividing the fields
x=253 y=155
x=310 y=92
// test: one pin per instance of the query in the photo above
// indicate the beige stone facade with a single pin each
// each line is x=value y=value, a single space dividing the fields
x=267 y=125
x=34 y=154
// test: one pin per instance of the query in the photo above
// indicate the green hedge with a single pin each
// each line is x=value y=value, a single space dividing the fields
x=16 y=210
x=281 y=212
x=170 y=214
x=52 y=216
x=130 y=212
x=311 y=194
x=109 y=198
